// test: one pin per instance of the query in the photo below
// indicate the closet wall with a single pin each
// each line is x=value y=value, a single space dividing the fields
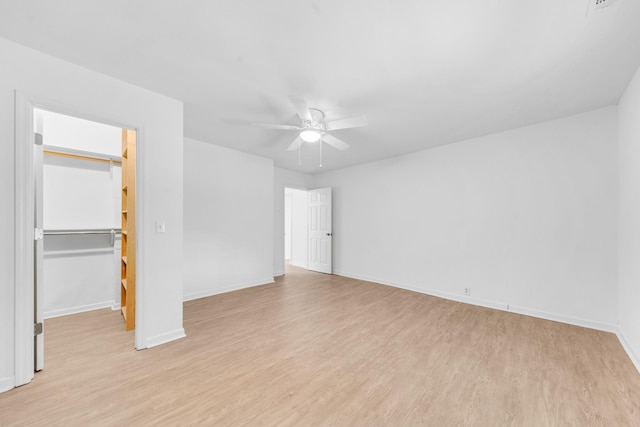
x=81 y=272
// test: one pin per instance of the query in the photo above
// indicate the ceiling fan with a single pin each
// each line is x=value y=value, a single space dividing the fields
x=314 y=128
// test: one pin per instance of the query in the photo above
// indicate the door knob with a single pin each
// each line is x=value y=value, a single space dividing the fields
x=329 y=234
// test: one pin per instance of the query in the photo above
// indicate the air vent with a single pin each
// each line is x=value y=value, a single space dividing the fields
x=596 y=5
x=601 y=4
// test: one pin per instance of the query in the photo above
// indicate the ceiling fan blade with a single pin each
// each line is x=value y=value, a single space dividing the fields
x=352 y=122
x=302 y=110
x=335 y=142
x=295 y=144
x=271 y=126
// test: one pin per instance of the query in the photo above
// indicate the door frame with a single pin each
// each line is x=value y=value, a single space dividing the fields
x=284 y=188
x=24 y=204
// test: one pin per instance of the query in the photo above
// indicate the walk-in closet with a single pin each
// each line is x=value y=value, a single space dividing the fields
x=87 y=214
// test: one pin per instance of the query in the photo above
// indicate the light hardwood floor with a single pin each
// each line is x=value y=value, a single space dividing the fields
x=313 y=349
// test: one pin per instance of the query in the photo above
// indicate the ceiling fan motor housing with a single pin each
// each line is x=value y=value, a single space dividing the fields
x=312 y=130
x=316 y=122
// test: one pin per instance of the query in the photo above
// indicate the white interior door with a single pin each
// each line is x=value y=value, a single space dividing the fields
x=320 y=234
x=38 y=250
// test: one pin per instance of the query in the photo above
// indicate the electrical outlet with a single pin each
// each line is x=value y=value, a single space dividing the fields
x=467 y=291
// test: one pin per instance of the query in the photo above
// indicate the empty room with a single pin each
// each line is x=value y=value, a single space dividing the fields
x=321 y=212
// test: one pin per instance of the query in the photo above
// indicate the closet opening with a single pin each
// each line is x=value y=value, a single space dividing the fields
x=84 y=176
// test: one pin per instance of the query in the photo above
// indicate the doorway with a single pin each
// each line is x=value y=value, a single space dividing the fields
x=308 y=230
x=82 y=178
x=296 y=226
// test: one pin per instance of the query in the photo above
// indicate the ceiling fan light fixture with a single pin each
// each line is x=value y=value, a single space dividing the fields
x=310 y=135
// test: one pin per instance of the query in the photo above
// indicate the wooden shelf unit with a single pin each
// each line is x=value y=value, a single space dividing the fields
x=128 y=263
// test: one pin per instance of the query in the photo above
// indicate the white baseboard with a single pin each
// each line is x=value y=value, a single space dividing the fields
x=7 y=383
x=165 y=338
x=492 y=304
x=227 y=288
x=585 y=323
x=115 y=306
x=79 y=309
x=635 y=359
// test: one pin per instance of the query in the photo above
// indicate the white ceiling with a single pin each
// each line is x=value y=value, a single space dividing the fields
x=425 y=73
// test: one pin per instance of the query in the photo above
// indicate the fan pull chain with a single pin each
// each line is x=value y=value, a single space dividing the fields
x=320 y=153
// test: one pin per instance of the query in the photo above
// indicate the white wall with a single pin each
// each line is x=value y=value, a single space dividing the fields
x=629 y=232
x=228 y=226
x=80 y=193
x=525 y=218
x=79 y=134
x=283 y=178
x=81 y=272
x=81 y=92
x=299 y=228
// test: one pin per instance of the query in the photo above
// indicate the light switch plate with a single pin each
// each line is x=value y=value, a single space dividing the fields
x=160 y=227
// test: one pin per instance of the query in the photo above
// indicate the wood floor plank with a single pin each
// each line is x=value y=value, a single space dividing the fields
x=314 y=349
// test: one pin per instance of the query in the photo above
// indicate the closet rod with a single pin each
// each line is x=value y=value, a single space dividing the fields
x=110 y=231
x=81 y=157
x=88 y=231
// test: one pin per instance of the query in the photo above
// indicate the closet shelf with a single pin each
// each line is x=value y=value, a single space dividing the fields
x=128 y=248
